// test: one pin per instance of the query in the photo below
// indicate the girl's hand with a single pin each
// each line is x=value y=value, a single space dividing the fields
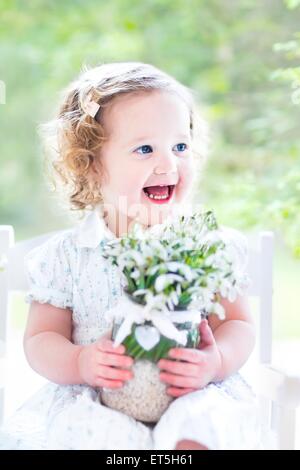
x=198 y=368
x=102 y=365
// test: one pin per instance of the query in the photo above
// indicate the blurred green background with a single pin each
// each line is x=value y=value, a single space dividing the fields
x=242 y=57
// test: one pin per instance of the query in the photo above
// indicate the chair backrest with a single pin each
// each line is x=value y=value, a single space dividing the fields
x=259 y=269
x=13 y=278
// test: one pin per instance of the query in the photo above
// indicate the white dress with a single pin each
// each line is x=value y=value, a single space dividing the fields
x=68 y=270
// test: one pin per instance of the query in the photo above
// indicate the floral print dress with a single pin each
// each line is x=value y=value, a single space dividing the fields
x=69 y=271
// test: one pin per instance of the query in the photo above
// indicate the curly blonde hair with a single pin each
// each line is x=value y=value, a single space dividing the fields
x=74 y=138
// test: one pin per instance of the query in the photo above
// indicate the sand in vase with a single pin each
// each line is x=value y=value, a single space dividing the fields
x=144 y=397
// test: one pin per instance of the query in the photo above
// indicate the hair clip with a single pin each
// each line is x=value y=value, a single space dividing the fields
x=90 y=107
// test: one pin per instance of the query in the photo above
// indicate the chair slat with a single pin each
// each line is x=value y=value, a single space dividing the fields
x=17 y=280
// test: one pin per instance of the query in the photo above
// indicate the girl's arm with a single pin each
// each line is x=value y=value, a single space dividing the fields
x=47 y=344
x=234 y=336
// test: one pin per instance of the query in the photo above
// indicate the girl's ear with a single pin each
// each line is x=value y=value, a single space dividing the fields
x=95 y=170
x=97 y=173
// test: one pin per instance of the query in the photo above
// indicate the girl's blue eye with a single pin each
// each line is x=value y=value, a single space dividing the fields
x=183 y=144
x=149 y=147
x=144 y=146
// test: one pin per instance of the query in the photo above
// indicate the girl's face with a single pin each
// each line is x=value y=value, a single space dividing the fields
x=148 y=146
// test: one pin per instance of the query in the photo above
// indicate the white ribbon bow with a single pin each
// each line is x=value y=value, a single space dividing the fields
x=132 y=312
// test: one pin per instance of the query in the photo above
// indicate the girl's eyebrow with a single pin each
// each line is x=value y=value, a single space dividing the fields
x=140 y=139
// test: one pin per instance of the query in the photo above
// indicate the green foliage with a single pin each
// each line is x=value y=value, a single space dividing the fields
x=291 y=4
x=161 y=349
x=236 y=55
x=168 y=265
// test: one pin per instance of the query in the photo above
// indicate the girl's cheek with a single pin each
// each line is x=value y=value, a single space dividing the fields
x=126 y=183
x=186 y=179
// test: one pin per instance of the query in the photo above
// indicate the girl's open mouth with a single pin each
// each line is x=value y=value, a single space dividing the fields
x=159 y=194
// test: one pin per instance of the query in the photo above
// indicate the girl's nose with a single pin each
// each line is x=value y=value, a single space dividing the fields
x=166 y=163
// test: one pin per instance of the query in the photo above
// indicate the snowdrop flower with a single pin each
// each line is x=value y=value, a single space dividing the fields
x=183 y=263
x=140 y=292
x=219 y=310
x=165 y=280
x=135 y=274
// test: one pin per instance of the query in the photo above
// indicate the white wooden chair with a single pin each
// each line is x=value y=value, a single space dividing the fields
x=279 y=392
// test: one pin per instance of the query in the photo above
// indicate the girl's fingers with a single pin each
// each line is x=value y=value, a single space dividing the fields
x=111 y=373
x=117 y=360
x=179 y=392
x=106 y=345
x=206 y=334
x=100 y=382
x=179 y=380
x=186 y=354
x=181 y=368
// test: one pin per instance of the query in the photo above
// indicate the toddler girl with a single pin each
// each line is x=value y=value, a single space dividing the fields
x=127 y=145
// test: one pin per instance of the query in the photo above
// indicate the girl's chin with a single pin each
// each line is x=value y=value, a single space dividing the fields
x=153 y=212
x=150 y=211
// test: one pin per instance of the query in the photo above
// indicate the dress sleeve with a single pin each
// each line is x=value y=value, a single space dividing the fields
x=48 y=272
x=239 y=247
x=239 y=242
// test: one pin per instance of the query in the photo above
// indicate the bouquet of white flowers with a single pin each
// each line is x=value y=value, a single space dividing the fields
x=174 y=275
